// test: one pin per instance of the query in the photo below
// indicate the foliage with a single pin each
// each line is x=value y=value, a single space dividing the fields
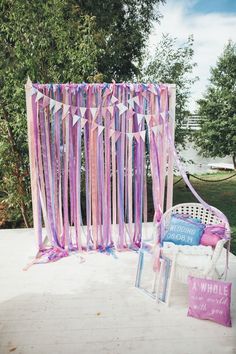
x=217 y=136
x=173 y=64
x=122 y=30
x=49 y=41
x=58 y=41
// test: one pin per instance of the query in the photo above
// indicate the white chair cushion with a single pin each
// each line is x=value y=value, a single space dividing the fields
x=189 y=256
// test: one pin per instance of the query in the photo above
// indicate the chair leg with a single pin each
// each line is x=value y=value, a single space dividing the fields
x=139 y=269
x=159 y=280
x=172 y=272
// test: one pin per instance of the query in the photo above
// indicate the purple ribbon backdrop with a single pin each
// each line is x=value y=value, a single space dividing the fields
x=90 y=145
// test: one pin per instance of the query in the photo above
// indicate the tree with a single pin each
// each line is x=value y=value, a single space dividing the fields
x=122 y=31
x=173 y=64
x=217 y=108
x=58 y=41
x=51 y=42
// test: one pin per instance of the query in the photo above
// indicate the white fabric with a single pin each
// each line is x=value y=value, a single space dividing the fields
x=189 y=256
x=171 y=248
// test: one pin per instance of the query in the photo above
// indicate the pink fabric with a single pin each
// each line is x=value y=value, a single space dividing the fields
x=212 y=234
x=209 y=239
x=210 y=300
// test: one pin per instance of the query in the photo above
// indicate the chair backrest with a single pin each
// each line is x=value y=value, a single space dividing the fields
x=195 y=210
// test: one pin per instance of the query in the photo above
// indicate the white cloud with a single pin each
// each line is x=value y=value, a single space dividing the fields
x=211 y=32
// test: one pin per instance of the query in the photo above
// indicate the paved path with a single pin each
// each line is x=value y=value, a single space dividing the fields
x=92 y=307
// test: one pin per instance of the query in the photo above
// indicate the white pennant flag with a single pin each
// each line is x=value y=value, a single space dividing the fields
x=52 y=103
x=83 y=122
x=82 y=111
x=122 y=108
x=39 y=96
x=155 y=129
x=113 y=99
x=58 y=106
x=93 y=111
x=33 y=91
x=66 y=108
x=100 y=129
x=112 y=131
x=111 y=109
x=75 y=119
x=139 y=118
x=46 y=101
x=136 y=100
x=137 y=136
x=130 y=136
x=131 y=102
x=143 y=134
x=148 y=117
x=73 y=110
x=152 y=89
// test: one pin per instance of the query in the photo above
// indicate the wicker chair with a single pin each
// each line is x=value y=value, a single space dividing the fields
x=196 y=265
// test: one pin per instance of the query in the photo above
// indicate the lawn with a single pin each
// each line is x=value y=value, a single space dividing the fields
x=222 y=195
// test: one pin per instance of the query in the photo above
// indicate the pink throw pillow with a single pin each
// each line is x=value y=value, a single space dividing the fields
x=212 y=234
x=210 y=300
x=209 y=239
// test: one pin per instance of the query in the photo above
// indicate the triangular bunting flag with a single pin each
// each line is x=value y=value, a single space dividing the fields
x=148 y=117
x=143 y=134
x=73 y=110
x=152 y=89
x=155 y=129
x=66 y=108
x=57 y=107
x=131 y=102
x=160 y=128
x=117 y=135
x=136 y=100
x=137 y=136
x=75 y=119
x=113 y=99
x=46 y=101
x=39 y=96
x=139 y=118
x=122 y=108
x=83 y=122
x=111 y=109
x=93 y=111
x=82 y=111
x=52 y=103
x=130 y=136
x=112 y=131
x=100 y=129
x=33 y=91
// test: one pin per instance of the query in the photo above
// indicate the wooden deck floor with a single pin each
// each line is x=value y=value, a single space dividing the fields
x=69 y=307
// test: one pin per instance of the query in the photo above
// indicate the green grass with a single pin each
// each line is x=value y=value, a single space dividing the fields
x=221 y=195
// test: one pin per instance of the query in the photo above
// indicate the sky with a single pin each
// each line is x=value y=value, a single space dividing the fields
x=211 y=22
